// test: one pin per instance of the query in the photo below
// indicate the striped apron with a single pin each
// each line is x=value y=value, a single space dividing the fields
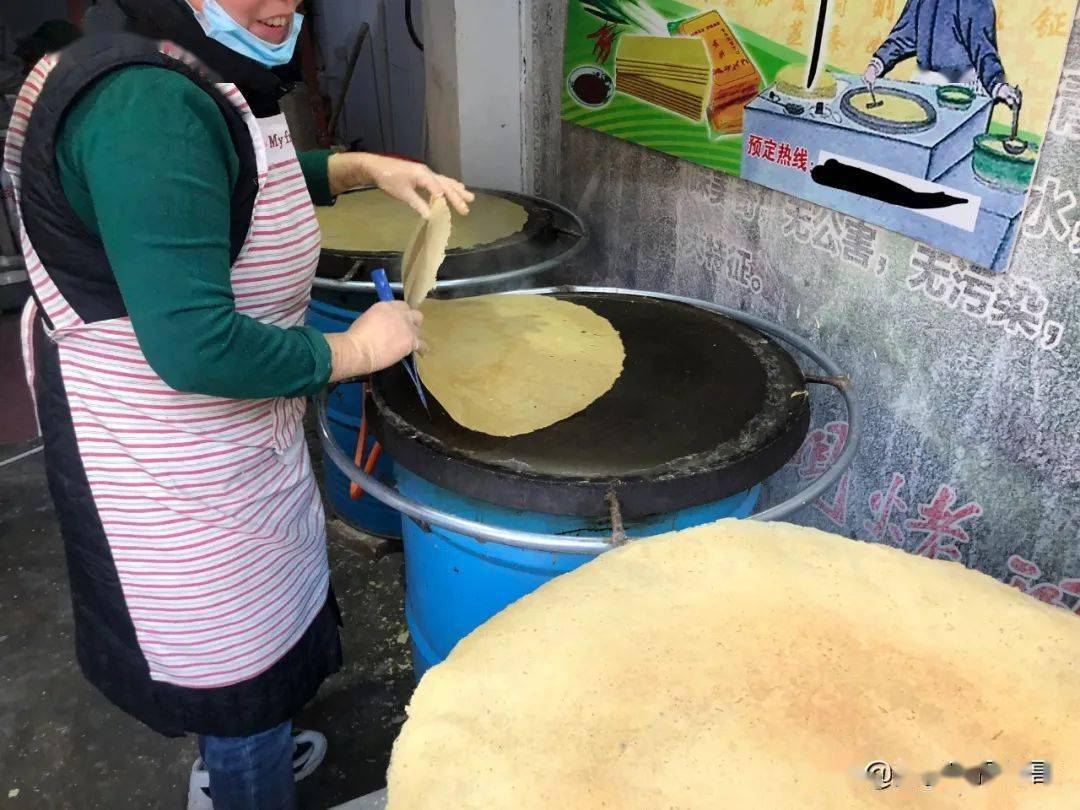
x=210 y=507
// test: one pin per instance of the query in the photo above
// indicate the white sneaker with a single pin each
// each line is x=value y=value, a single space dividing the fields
x=198 y=795
x=309 y=750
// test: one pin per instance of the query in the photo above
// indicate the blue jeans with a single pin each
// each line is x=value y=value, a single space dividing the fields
x=251 y=773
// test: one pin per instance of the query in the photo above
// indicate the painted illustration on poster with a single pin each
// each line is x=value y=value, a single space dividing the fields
x=922 y=116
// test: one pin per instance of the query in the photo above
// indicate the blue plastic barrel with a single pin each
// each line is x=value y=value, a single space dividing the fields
x=345 y=407
x=454 y=583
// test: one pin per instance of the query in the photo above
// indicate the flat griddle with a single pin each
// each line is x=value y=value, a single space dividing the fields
x=545 y=235
x=879 y=124
x=705 y=408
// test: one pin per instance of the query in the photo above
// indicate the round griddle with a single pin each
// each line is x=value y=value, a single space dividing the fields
x=549 y=232
x=878 y=124
x=705 y=408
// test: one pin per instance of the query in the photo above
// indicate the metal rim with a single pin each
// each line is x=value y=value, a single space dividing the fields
x=676 y=478
x=579 y=544
x=496 y=279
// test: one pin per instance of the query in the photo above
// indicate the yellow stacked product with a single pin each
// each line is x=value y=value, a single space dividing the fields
x=670 y=72
x=735 y=79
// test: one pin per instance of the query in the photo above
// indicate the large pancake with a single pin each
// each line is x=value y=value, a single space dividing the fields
x=511 y=364
x=750 y=665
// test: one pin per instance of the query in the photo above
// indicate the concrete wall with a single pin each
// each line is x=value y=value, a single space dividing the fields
x=542 y=26
x=474 y=90
x=441 y=89
x=970 y=380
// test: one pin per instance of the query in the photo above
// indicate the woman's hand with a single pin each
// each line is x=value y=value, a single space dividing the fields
x=387 y=332
x=873 y=73
x=412 y=183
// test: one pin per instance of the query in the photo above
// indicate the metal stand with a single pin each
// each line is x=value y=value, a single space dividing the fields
x=571 y=544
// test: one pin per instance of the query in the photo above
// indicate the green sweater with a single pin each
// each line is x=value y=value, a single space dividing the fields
x=146 y=162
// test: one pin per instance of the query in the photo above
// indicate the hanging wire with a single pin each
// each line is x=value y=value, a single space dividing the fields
x=411 y=27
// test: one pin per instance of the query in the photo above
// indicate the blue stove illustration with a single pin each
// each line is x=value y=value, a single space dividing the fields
x=911 y=135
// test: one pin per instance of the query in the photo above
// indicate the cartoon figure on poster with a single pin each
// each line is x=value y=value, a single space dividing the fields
x=953 y=43
x=911 y=121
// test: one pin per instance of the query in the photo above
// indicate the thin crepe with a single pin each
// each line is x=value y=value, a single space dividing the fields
x=425 y=252
x=511 y=364
x=370 y=220
x=892 y=108
x=749 y=665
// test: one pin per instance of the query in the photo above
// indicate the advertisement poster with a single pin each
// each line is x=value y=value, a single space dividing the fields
x=922 y=116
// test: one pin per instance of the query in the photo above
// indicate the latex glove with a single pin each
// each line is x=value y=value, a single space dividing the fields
x=1007 y=93
x=873 y=73
x=387 y=332
x=412 y=183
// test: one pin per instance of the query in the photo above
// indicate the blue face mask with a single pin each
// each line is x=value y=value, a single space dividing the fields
x=217 y=24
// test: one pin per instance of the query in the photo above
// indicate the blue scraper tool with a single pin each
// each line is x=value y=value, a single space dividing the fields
x=382 y=289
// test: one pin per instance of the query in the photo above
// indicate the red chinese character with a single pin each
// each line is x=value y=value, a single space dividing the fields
x=1026 y=579
x=1072 y=587
x=941 y=525
x=819 y=452
x=881 y=507
x=783 y=156
x=821 y=449
x=1045 y=592
x=770 y=150
x=1026 y=571
x=753 y=146
x=836 y=510
x=801 y=159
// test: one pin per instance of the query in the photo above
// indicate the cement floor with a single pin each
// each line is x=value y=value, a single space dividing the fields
x=63 y=746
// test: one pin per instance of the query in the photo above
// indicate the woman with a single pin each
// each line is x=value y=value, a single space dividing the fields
x=168 y=227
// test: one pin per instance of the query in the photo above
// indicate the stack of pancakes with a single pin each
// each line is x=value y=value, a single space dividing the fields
x=670 y=72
